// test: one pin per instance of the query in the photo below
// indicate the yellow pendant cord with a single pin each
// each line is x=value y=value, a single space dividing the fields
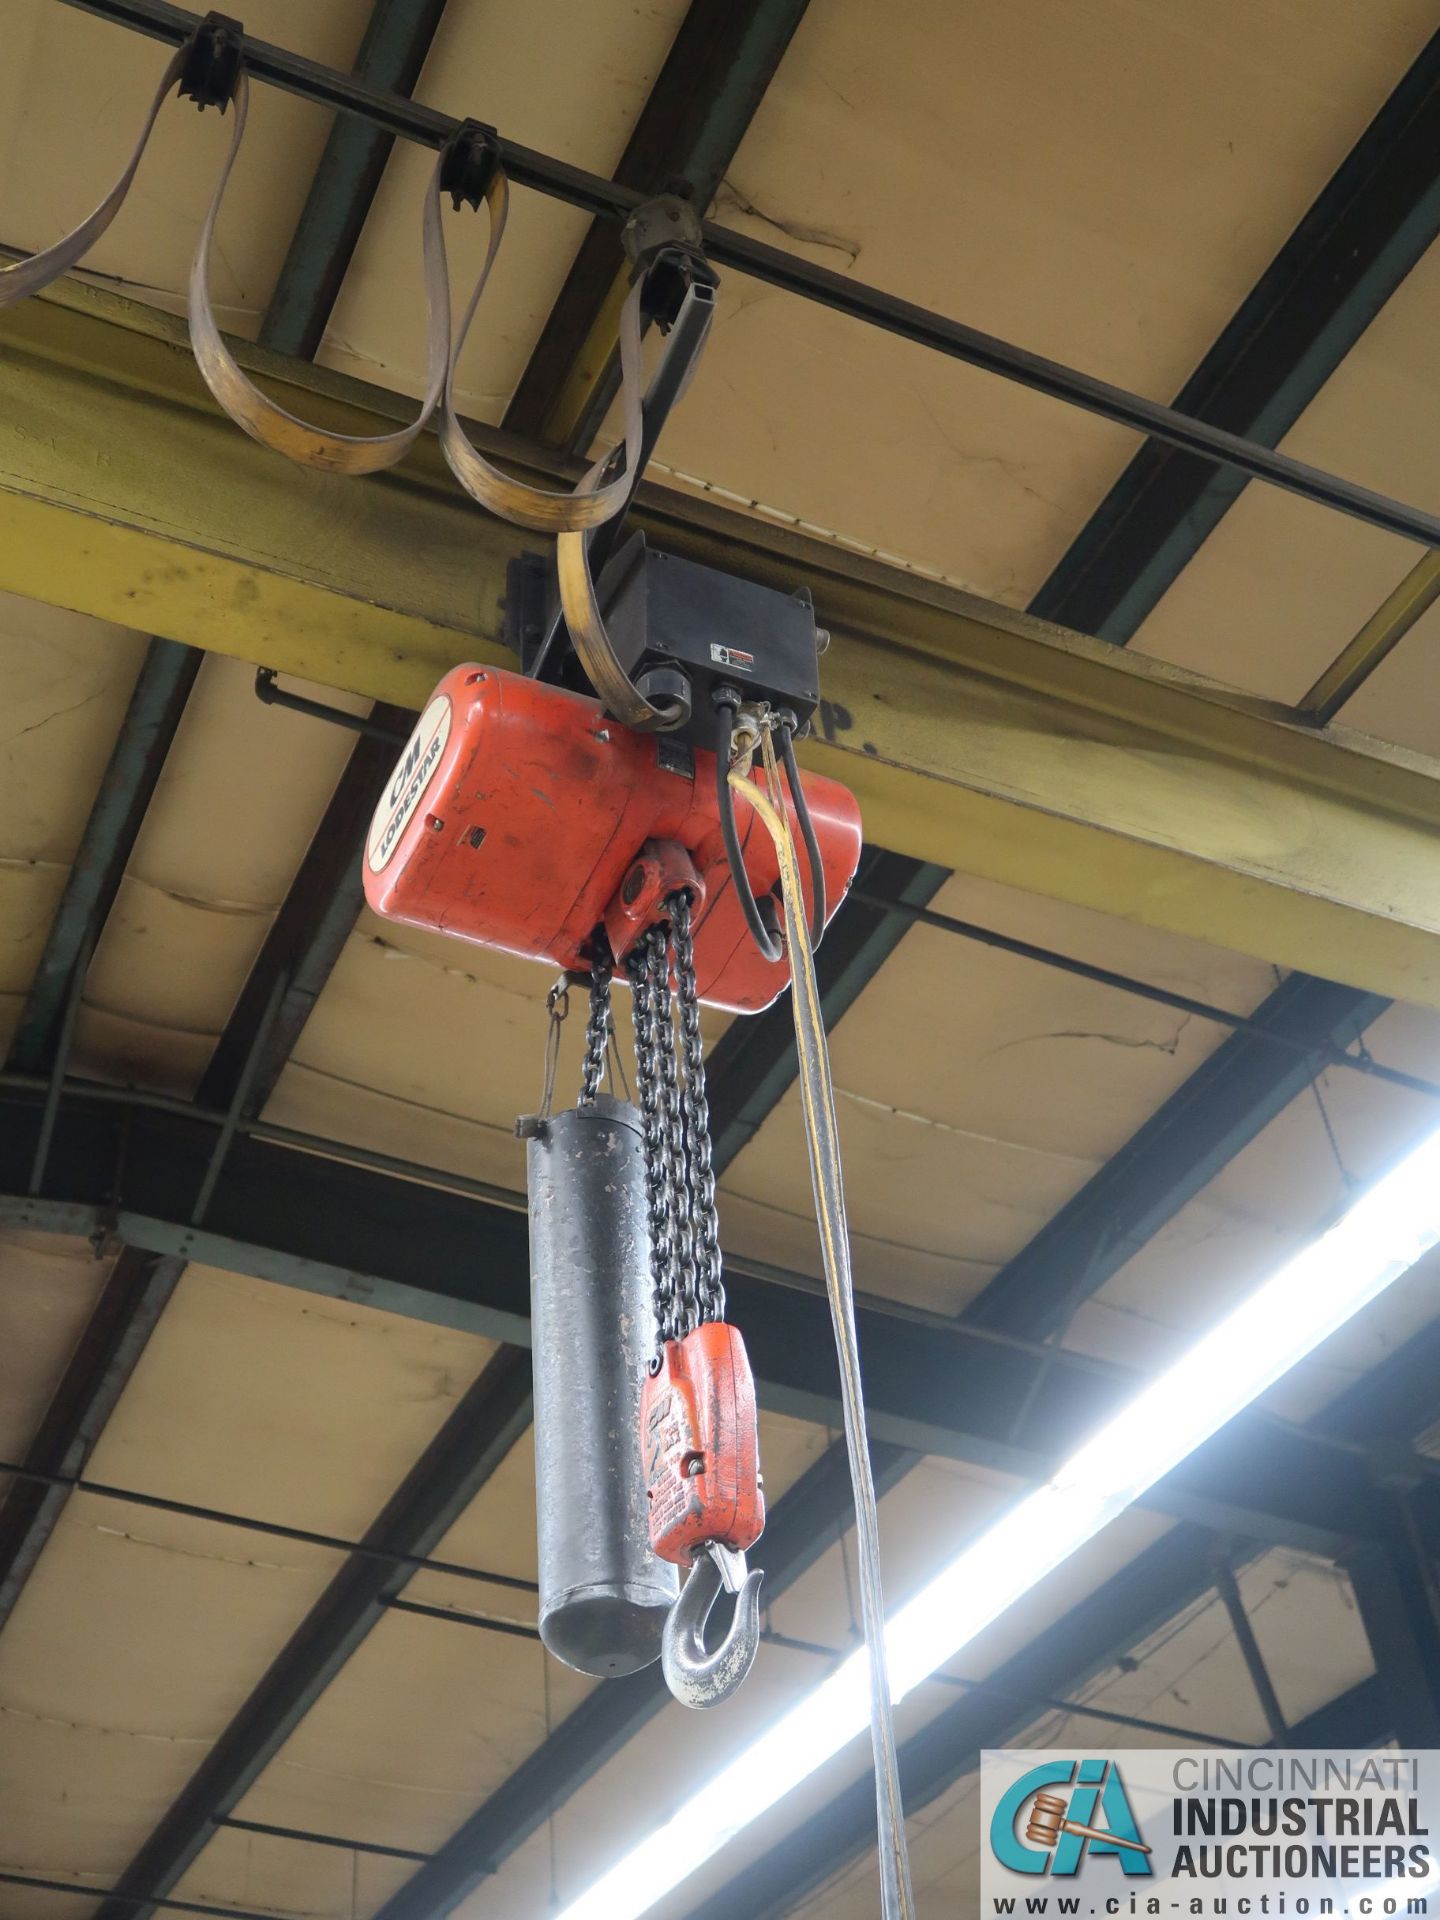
x=822 y=1138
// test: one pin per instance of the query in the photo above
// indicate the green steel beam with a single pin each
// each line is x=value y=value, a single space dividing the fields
x=392 y=53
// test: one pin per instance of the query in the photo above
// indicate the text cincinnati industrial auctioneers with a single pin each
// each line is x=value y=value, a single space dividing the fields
x=1152 y=1832
x=1300 y=1816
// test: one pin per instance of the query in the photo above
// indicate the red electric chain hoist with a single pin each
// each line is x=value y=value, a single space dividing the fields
x=523 y=817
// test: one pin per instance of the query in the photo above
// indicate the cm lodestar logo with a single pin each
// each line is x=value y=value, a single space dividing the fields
x=1063 y=1813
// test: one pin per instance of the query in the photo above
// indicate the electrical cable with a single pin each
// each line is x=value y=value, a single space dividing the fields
x=764 y=939
x=823 y=1142
x=24 y=277
x=80 y=1889
x=264 y=419
x=578 y=599
x=807 y=830
x=594 y=500
x=538 y=509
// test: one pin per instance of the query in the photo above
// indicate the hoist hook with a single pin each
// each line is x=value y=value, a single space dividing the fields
x=695 y=1677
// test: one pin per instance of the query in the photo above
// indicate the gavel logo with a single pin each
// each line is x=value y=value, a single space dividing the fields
x=1047 y=1822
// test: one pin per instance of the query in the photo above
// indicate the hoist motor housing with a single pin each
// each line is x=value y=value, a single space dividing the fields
x=521 y=817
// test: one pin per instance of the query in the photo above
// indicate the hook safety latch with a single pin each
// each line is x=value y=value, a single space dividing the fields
x=695 y=1677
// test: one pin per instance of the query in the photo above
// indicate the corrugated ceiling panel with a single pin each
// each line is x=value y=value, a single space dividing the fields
x=48 y=1285
x=1102 y=183
x=240 y=796
x=1281 y=586
x=67 y=682
x=598 y=62
x=140 y=1632
x=107 y=76
x=977 y=1092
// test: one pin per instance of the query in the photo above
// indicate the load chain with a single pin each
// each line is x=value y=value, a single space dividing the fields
x=670 y=1086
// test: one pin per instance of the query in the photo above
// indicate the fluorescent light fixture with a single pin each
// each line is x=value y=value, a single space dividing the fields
x=1382 y=1235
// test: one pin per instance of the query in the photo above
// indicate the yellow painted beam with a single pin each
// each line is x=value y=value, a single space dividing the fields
x=1401 y=610
x=126 y=494
x=975 y=737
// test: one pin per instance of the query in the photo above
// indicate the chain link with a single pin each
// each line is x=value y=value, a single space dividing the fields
x=679 y=1173
x=704 y=1220
x=674 y=1110
x=659 y=1197
x=672 y=1114
x=597 y=1032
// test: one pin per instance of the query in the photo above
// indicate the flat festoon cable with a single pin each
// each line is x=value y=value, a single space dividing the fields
x=265 y=419
x=541 y=511
x=822 y=1139
x=578 y=600
x=590 y=503
x=25 y=277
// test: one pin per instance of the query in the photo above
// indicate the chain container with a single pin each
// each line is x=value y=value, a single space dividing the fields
x=604 y=1595
x=518 y=810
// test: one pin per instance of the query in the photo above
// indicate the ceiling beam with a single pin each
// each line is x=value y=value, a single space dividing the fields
x=309 y=930
x=324 y=899
x=306 y=937
x=473 y=1442
x=1366 y=229
x=151 y=721
x=1224 y=1104
x=932 y=1385
x=721 y=61
x=131 y=1301
x=1349 y=253
x=785 y=269
x=1372 y=222
x=392 y=54
x=1354 y=1722
x=1395 y=1589
x=1233 y=1601
x=974 y=737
